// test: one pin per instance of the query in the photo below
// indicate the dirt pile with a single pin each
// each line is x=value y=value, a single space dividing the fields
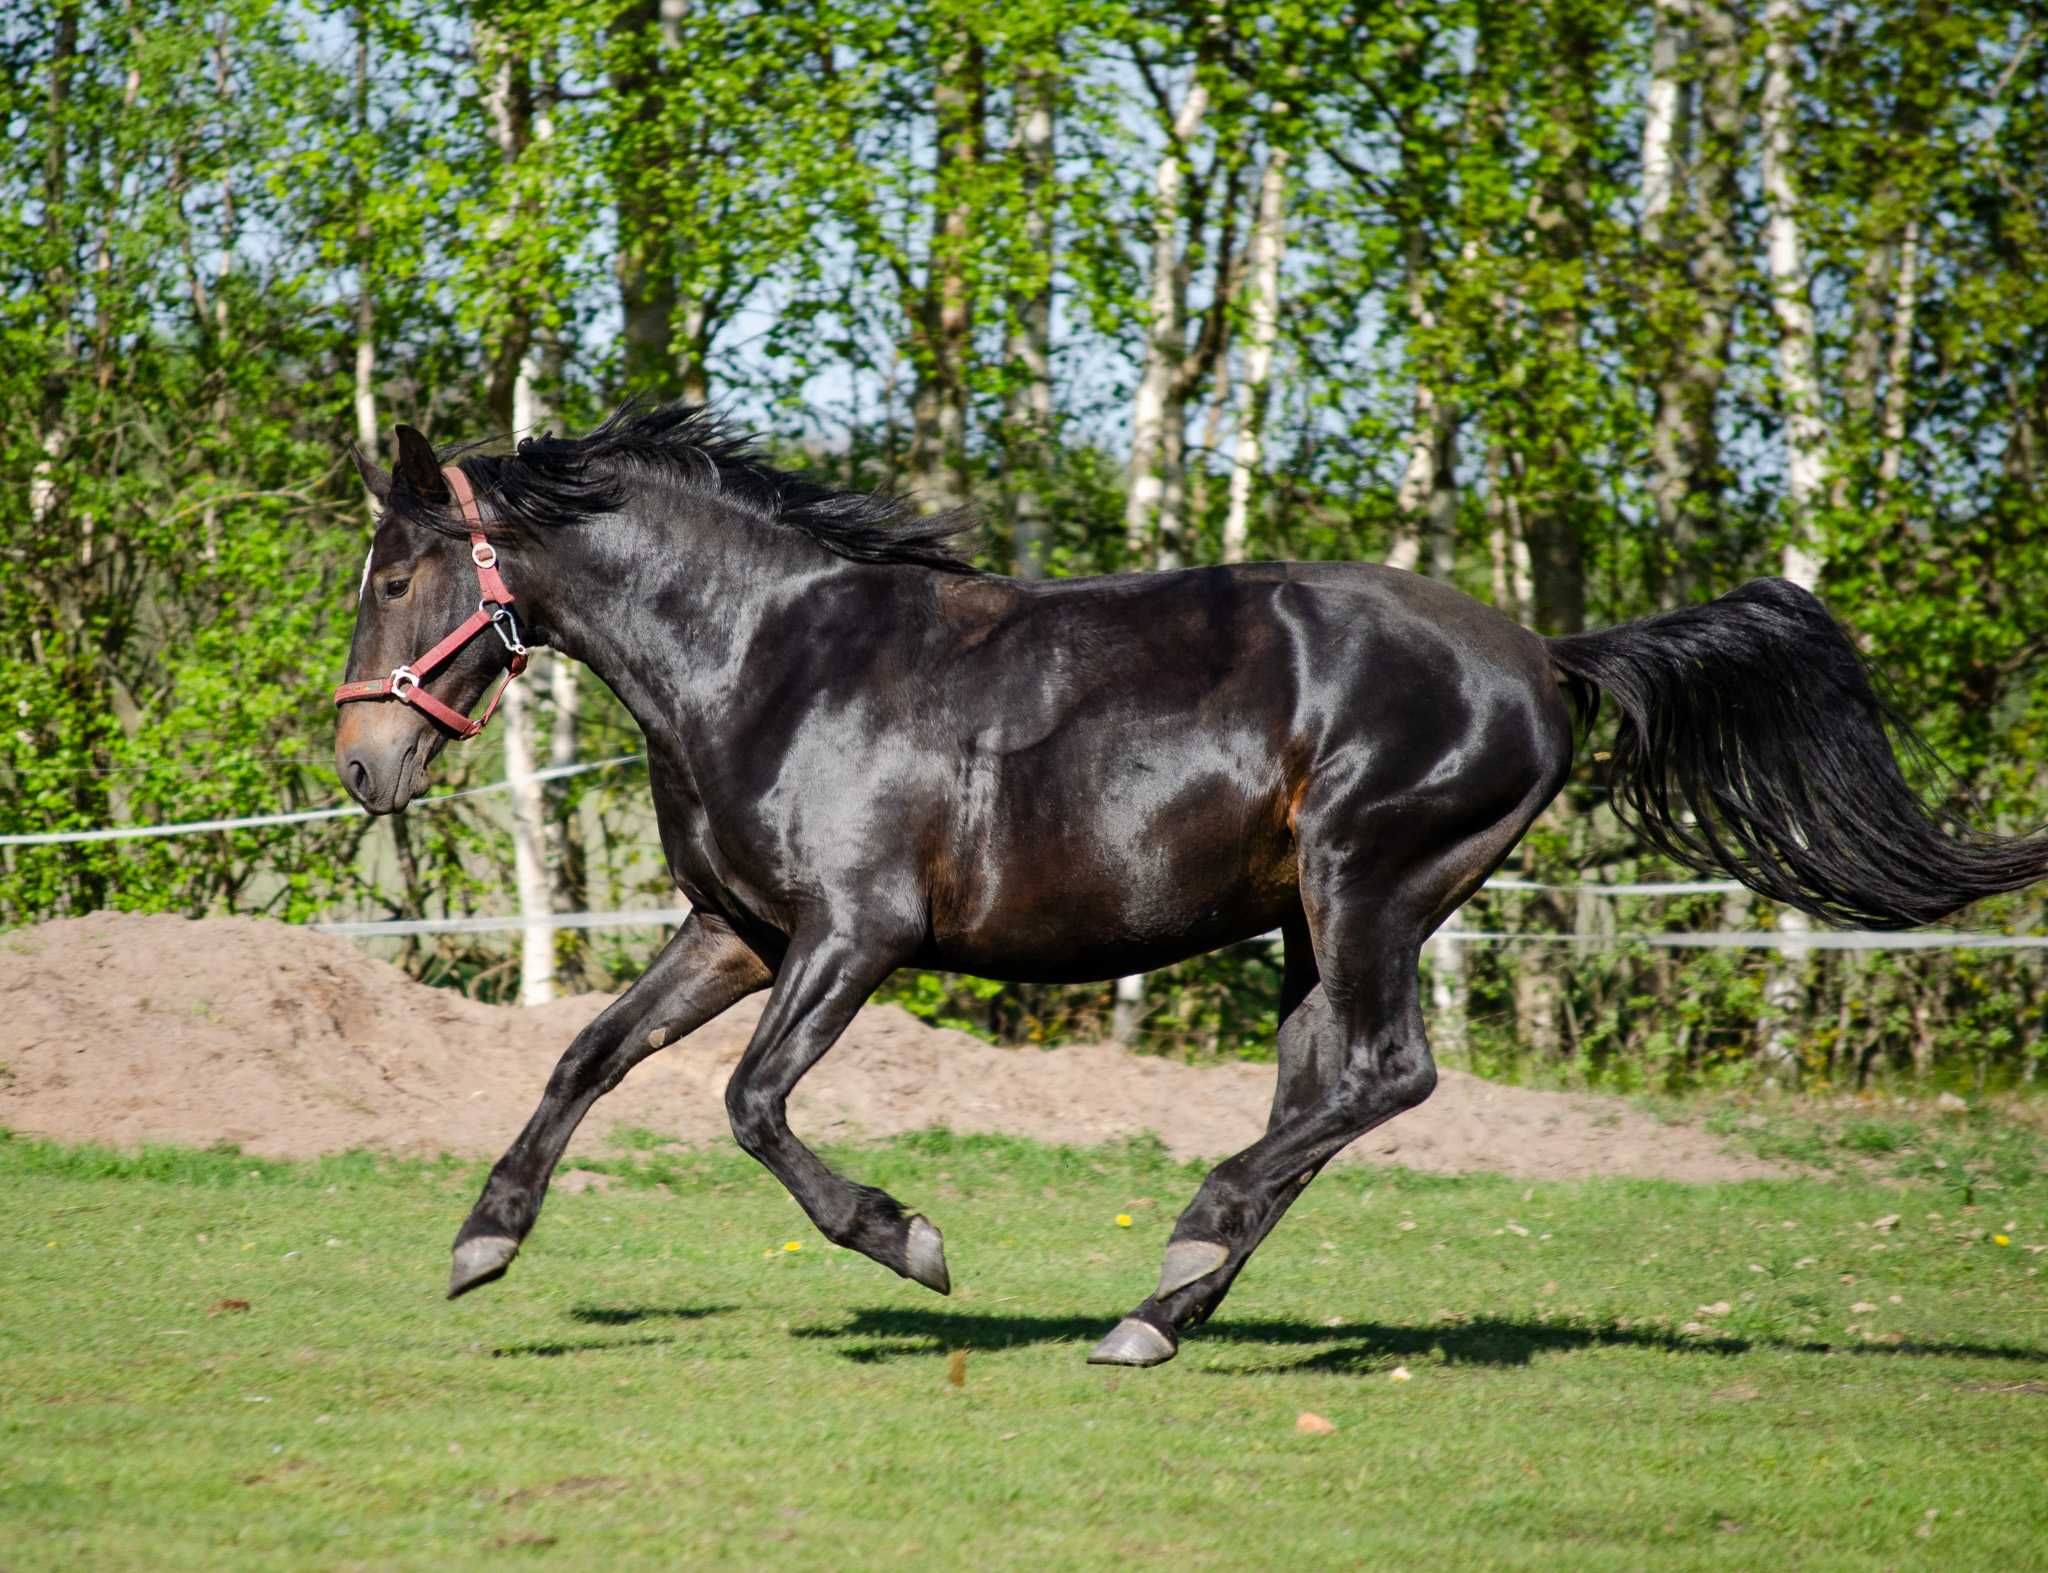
x=126 y=1029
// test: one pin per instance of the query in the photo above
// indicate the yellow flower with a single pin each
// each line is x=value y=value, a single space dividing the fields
x=1123 y=1220
x=2001 y=1239
x=792 y=1245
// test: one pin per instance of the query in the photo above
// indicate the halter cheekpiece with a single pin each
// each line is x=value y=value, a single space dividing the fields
x=407 y=684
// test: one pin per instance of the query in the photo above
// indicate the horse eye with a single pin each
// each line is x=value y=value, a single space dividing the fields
x=393 y=589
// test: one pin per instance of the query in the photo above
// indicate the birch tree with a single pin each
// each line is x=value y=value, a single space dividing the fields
x=1692 y=148
x=369 y=437
x=1426 y=502
x=516 y=131
x=1262 y=330
x=942 y=311
x=1029 y=400
x=1155 y=481
x=1154 y=511
x=1805 y=434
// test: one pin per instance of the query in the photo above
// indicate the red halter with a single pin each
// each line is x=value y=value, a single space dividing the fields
x=406 y=684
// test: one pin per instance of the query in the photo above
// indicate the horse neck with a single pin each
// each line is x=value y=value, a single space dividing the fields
x=664 y=601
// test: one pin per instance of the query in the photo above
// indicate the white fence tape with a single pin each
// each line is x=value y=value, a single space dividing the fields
x=193 y=827
x=1653 y=887
x=1791 y=944
x=380 y=928
x=1821 y=939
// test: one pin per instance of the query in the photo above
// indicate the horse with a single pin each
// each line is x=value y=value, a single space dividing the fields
x=866 y=754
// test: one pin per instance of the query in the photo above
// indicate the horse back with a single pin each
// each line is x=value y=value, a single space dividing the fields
x=1127 y=757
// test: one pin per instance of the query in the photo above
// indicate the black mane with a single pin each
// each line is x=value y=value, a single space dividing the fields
x=550 y=480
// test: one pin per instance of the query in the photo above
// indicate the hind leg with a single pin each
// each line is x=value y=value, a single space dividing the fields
x=1356 y=1048
x=1374 y=1035
x=1307 y=1058
x=1308 y=1052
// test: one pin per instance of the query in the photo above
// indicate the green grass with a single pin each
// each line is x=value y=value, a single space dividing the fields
x=660 y=1383
x=1973 y=1152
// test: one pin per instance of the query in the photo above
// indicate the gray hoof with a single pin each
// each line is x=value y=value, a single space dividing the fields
x=480 y=1261
x=1134 y=1342
x=925 y=1256
x=1187 y=1260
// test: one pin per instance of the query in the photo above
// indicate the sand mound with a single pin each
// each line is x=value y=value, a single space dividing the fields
x=126 y=1029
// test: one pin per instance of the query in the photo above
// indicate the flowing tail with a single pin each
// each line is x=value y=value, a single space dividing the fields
x=1752 y=741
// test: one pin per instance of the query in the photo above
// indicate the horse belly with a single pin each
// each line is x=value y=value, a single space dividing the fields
x=1076 y=891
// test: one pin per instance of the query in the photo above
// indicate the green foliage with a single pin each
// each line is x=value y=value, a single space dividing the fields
x=225 y=227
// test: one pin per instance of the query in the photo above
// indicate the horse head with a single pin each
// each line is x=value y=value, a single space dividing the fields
x=430 y=587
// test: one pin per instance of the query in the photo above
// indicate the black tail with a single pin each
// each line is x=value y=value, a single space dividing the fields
x=1752 y=741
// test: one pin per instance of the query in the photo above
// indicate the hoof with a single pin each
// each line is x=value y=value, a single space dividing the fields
x=1134 y=1342
x=1187 y=1260
x=925 y=1256
x=480 y=1261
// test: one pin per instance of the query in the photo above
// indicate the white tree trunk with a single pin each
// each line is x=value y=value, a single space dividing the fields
x=1899 y=363
x=1805 y=441
x=1447 y=990
x=1129 y=1009
x=366 y=389
x=1262 y=331
x=1805 y=432
x=529 y=801
x=366 y=316
x=1165 y=331
x=1154 y=490
x=1029 y=349
x=529 y=867
x=566 y=701
x=1418 y=480
x=1663 y=116
x=1660 y=117
x=1426 y=502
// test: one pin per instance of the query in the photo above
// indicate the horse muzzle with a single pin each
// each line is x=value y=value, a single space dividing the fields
x=381 y=753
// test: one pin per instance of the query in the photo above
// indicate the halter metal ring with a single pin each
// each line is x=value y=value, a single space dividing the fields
x=403 y=681
x=483 y=554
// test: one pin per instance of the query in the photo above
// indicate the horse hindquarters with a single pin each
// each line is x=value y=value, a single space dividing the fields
x=1380 y=870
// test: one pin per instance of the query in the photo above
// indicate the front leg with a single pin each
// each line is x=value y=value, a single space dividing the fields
x=822 y=983
x=702 y=970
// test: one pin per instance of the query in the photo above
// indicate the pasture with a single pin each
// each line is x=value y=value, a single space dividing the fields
x=215 y=1361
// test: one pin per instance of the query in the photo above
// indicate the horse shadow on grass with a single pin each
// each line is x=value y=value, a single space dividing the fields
x=879 y=1334
x=611 y=1316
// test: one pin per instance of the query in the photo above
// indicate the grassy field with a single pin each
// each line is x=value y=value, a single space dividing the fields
x=214 y=1362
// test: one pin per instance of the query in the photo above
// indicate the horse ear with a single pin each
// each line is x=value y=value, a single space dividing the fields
x=375 y=481
x=417 y=470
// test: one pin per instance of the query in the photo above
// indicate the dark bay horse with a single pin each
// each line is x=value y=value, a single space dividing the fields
x=866 y=755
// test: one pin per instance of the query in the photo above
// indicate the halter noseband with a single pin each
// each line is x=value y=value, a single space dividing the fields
x=407 y=684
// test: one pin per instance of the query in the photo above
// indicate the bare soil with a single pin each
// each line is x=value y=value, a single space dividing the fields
x=126 y=1029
